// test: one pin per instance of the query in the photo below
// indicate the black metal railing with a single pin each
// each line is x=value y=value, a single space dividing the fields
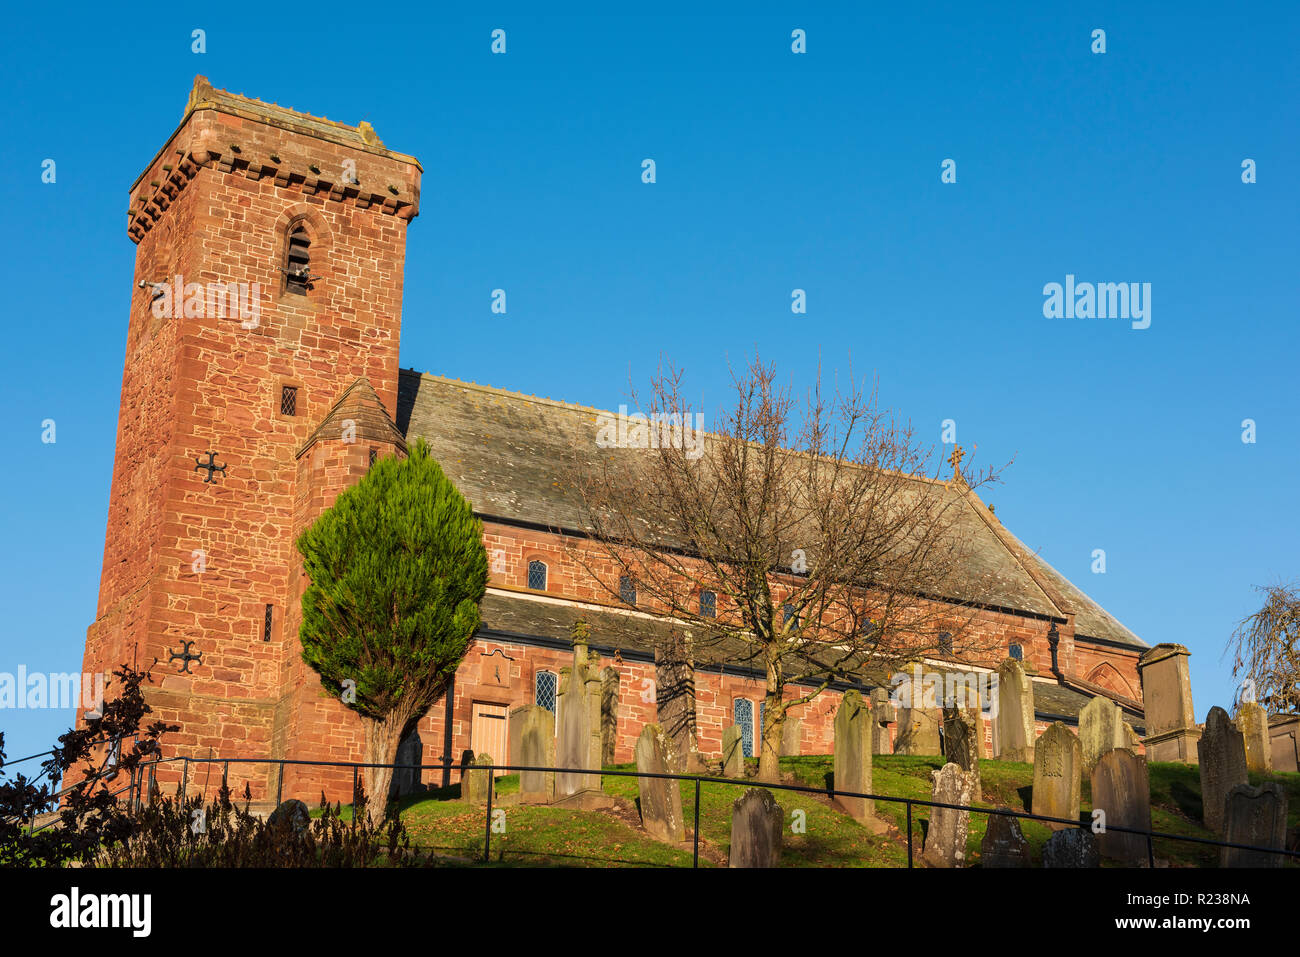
x=699 y=780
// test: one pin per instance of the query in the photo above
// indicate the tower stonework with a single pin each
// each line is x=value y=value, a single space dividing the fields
x=302 y=222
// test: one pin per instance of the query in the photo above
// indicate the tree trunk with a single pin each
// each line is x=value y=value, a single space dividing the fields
x=382 y=739
x=769 y=754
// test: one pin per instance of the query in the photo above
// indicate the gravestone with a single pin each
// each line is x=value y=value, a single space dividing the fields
x=1222 y=751
x=1121 y=789
x=609 y=679
x=917 y=728
x=1252 y=722
x=292 y=815
x=1254 y=816
x=852 y=759
x=1284 y=742
x=883 y=715
x=674 y=691
x=578 y=736
x=475 y=786
x=1014 y=738
x=532 y=742
x=791 y=736
x=961 y=743
x=733 y=752
x=1101 y=729
x=661 y=798
x=1073 y=847
x=757 y=825
x=945 y=840
x=1167 y=697
x=410 y=751
x=1057 y=786
x=1004 y=843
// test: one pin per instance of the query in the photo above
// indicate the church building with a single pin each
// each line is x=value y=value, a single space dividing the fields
x=262 y=379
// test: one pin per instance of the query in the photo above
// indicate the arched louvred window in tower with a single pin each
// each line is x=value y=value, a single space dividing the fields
x=297 y=269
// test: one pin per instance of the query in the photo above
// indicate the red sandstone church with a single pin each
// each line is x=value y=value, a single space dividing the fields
x=239 y=424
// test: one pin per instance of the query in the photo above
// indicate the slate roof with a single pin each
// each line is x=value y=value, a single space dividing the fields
x=507 y=451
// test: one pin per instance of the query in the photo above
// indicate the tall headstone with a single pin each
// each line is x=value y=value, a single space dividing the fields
x=1284 y=742
x=675 y=701
x=1057 y=767
x=852 y=761
x=918 y=726
x=1004 y=843
x=410 y=752
x=1167 y=697
x=791 y=736
x=578 y=733
x=1255 y=816
x=661 y=798
x=883 y=716
x=1073 y=847
x=733 y=752
x=608 y=714
x=475 y=786
x=962 y=735
x=1121 y=789
x=532 y=741
x=757 y=825
x=1252 y=722
x=945 y=840
x=1014 y=740
x=1101 y=729
x=1222 y=751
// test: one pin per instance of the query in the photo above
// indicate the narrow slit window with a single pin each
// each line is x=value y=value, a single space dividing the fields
x=374 y=454
x=297 y=269
x=266 y=627
x=289 y=400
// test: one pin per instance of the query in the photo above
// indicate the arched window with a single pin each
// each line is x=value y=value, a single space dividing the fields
x=708 y=604
x=537 y=575
x=297 y=265
x=945 y=642
x=789 y=615
x=544 y=690
x=627 y=590
x=743 y=709
x=1015 y=651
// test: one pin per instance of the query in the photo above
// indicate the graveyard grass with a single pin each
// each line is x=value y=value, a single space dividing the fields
x=538 y=836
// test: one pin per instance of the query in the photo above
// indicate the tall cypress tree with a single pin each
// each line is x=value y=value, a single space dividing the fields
x=397 y=569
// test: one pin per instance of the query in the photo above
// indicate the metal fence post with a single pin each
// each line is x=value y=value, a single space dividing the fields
x=696 y=862
x=279 y=786
x=355 y=772
x=185 y=780
x=1151 y=853
x=909 y=833
x=487 y=831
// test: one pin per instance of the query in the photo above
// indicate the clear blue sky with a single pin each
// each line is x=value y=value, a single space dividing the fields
x=775 y=171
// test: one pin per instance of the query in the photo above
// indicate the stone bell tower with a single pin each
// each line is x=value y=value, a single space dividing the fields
x=268 y=281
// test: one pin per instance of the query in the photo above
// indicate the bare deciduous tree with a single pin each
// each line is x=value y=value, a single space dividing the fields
x=1266 y=647
x=807 y=539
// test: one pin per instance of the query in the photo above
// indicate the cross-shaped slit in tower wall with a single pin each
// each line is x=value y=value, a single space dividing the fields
x=211 y=465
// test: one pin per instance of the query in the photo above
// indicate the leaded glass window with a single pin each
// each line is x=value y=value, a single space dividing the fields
x=537 y=575
x=545 y=684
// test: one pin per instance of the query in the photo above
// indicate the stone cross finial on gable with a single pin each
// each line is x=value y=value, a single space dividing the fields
x=955 y=459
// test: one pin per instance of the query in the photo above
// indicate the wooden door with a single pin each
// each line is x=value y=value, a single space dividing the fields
x=487 y=732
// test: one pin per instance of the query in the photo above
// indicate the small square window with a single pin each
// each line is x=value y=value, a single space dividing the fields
x=945 y=642
x=374 y=454
x=788 y=615
x=288 y=400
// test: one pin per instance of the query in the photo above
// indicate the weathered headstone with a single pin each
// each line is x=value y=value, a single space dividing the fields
x=917 y=729
x=1121 y=789
x=961 y=743
x=883 y=715
x=852 y=760
x=475 y=786
x=674 y=691
x=578 y=743
x=791 y=736
x=1057 y=784
x=661 y=798
x=1014 y=740
x=733 y=752
x=609 y=679
x=945 y=840
x=1255 y=816
x=1167 y=697
x=532 y=742
x=1004 y=843
x=757 y=825
x=1284 y=742
x=292 y=815
x=1252 y=722
x=1074 y=847
x=406 y=780
x=1222 y=752
x=1101 y=729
